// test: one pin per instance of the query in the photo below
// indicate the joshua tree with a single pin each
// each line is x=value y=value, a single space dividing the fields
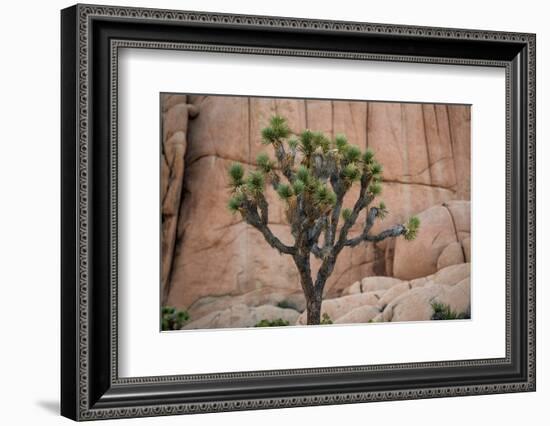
x=317 y=172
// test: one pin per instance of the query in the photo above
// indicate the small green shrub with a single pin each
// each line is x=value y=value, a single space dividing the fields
x=173 y=318
x=325 y=319
x=279 y=322
x=444 y=312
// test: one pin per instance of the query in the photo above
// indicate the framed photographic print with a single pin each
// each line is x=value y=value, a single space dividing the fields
x=263 y=212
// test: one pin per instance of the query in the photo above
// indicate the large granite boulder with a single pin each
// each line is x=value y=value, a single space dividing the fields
x=443 y=240
x=383 y=300
x=417 y=304
x=240 y=316
x=361 y=315
x=340 y=306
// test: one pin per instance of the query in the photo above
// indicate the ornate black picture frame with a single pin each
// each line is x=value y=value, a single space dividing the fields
x=91 y=36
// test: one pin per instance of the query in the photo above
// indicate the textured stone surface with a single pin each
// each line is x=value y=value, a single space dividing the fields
x=209 y=253
x=371 y=284
x=355 y=288
x=378 y=283
x=416 y=305
x=466 y=248
x=363 y=314
x=438 y=243
x=450 y=286
x=175 y=117
x=335 y=308
x=451 y=275
x=262 y=296
x=451 y=255
x=392 y=293
x=386 y=299
x=238 y=316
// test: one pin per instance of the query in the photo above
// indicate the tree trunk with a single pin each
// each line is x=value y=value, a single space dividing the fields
x=314 y=309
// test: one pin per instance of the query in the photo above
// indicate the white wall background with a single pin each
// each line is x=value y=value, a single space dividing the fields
x=29 y=212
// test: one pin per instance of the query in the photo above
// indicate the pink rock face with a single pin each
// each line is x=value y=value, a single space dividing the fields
x=210 y=253
x=363 y=314
x=338 y=307
x=176 y=115
x=443 y=240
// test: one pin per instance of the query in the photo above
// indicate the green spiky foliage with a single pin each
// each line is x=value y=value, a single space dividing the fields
x=382 y=210
x=352 y=153
x=285 y=191
x=279 y=322
x=444 y=312
x=255 y=182
x=276 y=131
x=351 y=173
x=265 y=164
x=340 y=143
x=323 y=196
x=298 y=186
x=293 y=143
x=346 y=213
x=326 y=320
x=375 y=189
x=413 y=225
x=236 y=174
x=173 y=318
x=302 y=174
x=376 y=168
x=312 y=173
x=236 y=202
x=368 y=156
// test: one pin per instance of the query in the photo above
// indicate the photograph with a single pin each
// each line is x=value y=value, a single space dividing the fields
x=272 y=207
x=282 y=212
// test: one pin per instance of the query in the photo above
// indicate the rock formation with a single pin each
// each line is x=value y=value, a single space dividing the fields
x=212 y=259
x=371 y=299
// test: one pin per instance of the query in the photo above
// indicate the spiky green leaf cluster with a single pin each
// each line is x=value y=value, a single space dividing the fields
x=323 y=196
x=444 y=312
x=375 y=168
x=293 y=143
x=255 y=182
x=284 y=191
x=264 y=163
x=298 y=186
x=346 y=213
x=340 y=142
x=326 y=320
x=302 y=173
x=173 y=318
x=236 y=202
x=352 y=153
x=236 y=174
x=306 y=143
x=351 y=173
x=375 y=189
x=279 y=322
x=368 y=156
x=279 y=124
x=412 y=227
x=276 y=131
x=321 y=142
x=382 y=211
